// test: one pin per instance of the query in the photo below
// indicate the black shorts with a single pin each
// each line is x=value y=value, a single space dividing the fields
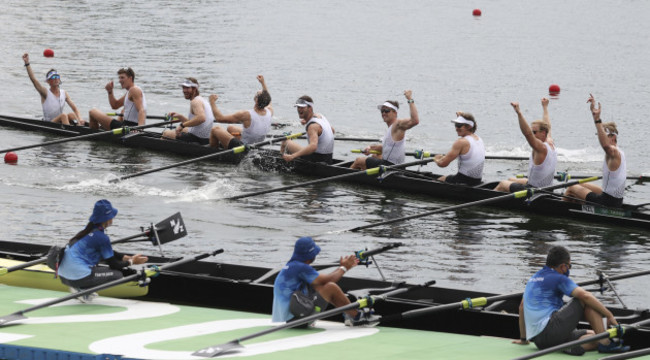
x=373 y=162
x=116 y=124
x=316 y=157
x=604 y=199
x=561 y=327
x=515 y=186
x=98 y=275
x=462 y=179
x=234 y=142
x=191 y=138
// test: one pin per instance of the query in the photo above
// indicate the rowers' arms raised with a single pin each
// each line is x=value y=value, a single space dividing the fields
x=239 y=117
x=260 y=78
x=613 y=156
x=535 y=143
x=547 y=119
x=114 y=102
x=405 y=124
x=451 y=155
x=37 y=85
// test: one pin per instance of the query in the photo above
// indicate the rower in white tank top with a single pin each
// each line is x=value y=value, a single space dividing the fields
x=471 y=163
x=542 y=175
x=326 y=138
x=260 y=126
x=130 y=111
x=393 y=151
x=53 y=107
x=614 y=181
x=202 y=131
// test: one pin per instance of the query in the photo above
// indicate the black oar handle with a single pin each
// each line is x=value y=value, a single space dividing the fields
x=364 y=254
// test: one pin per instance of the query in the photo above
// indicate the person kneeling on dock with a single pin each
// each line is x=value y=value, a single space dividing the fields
x=391 y=151
x=541 y=165
x=298 y=276
x=547 y=321
x=256 y=122
x=79 y=268
x=469 y=150
x=196 y=127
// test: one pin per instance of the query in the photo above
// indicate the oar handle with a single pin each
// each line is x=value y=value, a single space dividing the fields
x=359 y=151
x=157 y=117
x=364 y=254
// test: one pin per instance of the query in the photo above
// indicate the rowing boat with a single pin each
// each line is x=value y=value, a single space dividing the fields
x=417 y=182
x=248 y=288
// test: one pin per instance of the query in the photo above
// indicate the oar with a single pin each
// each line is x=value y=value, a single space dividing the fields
x=341 y=138
x=482 y=301
x=140 y=275
x=628 y=355
x=235 y=150
x=158 y=117
x=363 y=255
x=608 y=334
x=515 y=195
x=165 y=231
x=563 y=176
x=425 y=154
x=123 y=130
x=368 y=301
x=372 y=171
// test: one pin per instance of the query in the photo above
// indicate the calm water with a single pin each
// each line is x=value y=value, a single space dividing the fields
x=349 y=56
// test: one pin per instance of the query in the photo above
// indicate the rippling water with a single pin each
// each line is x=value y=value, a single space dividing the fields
x=349 y=56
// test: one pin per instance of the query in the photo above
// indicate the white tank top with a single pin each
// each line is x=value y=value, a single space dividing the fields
x=202 y=130
x=130 y=111
x=53 y=107
x=260 y=126
x=471 y=164
x=392 y=150
x=326 y=138
x=542 y=175
x=614 y=181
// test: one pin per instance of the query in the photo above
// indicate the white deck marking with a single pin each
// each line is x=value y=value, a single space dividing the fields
x=8 y=337
x=135 y=345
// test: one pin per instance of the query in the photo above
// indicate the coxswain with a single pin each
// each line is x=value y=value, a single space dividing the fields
x=391 y=151
x=134 y=102
x=195 y=128
x=53 y=100
x=543 y=158
x=469 y=150
x=614 y=167
x=320 y=135
x=256 y=122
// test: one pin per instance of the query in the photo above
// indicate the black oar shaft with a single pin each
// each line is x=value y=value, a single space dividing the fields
x=117 y=131
x=364 y=254
x=343 y=138
x=113 y=283
x=515 y=195
x=235 y=150
x=372 y=171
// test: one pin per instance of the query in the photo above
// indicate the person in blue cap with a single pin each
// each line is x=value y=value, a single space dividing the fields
x=80 y=267
x=298 y=274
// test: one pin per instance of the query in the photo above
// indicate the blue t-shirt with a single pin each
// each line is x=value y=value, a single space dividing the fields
x=84 y=254
x=293 y=276
x=542 y=297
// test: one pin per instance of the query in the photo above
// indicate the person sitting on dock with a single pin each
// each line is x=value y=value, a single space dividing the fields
x=469 y=150
x=391 y=151
x=79 y=268
x=196 y=127
x=134 y=103
x=320 y=135
x=298 y=275
x=54 y=99
x=256 y=122
x=541 y=165
x=614 y=167
x=547 y=321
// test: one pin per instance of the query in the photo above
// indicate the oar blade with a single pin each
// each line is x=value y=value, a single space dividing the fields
x=11 y=318
x=217 y=350
x=170 y=229
x=3 y=271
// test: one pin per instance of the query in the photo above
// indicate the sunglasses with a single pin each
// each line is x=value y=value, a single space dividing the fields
x=458 y=126
x=54 y=77
x=384 y=111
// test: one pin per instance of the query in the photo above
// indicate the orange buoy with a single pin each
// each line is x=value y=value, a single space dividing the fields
x=476 y=12
x=48 y=53
x=554 y=89
x=11 y=158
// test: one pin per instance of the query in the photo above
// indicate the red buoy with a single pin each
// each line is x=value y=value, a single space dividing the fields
x=11 y=158
x=476 y=12
x=48 y=53
x=554 y=89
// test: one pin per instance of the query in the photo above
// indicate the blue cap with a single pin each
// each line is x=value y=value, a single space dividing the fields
x=305 y=249
x=102 y=212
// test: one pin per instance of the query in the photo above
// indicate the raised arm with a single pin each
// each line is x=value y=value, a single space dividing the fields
x=260 y=78
x=610 y=150
x=239 y=117
x=547 y=119
x=406 y=124
x=534 y=142
x=115 y=103
x=37 y=85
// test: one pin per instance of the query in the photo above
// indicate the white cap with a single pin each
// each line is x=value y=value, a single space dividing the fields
x=607 y=131
x=190 y=84
x=388 y=105
x=462 y=120
x=51 y=74
x=303 y=103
